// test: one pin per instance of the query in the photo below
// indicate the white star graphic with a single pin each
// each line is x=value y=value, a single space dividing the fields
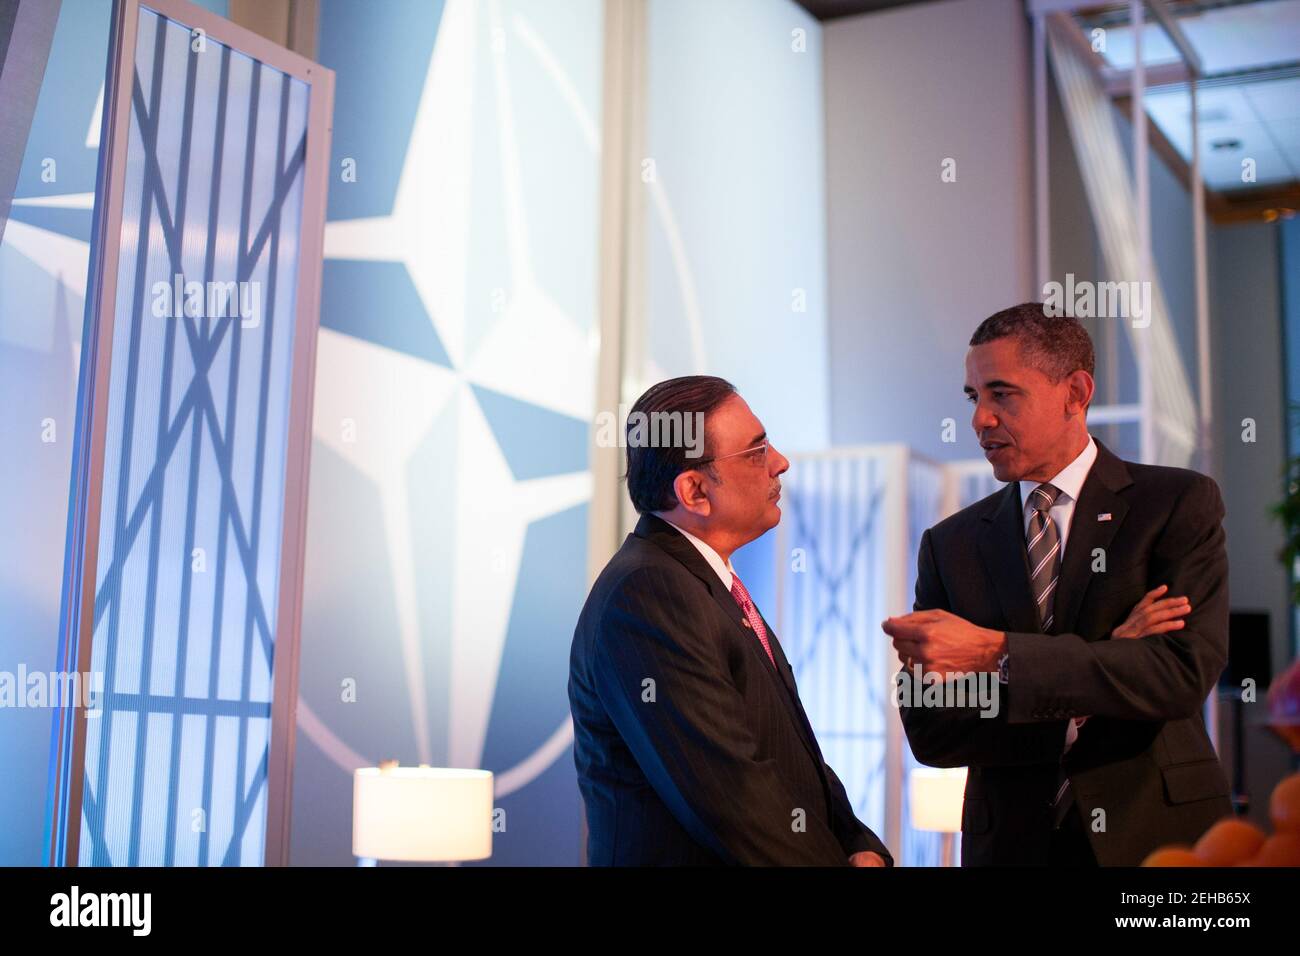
x=534 y=352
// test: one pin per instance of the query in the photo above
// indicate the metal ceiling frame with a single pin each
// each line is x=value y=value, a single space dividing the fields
x=1191 y=68
x=1189 y=71
x=1223 y=205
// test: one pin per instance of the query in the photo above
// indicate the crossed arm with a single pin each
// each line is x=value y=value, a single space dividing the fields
x=960 y=736
x=1162 y=676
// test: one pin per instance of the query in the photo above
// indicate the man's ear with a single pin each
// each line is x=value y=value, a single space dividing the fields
x=689 y=488
x=1081 y=388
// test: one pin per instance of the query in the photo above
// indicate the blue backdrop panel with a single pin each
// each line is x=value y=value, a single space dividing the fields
x=447 y=521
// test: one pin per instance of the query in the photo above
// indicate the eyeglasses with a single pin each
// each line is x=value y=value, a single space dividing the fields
x=759 y=460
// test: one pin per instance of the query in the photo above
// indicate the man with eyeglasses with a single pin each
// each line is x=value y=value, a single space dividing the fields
x=691 y=744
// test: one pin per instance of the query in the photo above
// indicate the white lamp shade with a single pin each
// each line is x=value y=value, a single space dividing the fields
x=422 y=813
x=936 y=798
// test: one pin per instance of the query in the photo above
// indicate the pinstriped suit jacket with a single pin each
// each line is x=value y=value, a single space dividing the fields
x=691 y=748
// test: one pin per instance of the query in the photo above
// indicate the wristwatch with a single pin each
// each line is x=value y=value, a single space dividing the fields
x=1003 y=667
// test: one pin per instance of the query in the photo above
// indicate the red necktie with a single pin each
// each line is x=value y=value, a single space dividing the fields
x=752 y=617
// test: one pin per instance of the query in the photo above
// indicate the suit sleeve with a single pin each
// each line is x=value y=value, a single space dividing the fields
x=854 y=835
x=665 y=685
x=1156 y=678
x=963 y=736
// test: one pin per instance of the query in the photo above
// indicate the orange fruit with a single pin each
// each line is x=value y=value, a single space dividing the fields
x=1281 y=849
x=1284 y=807
x=1229 y=841
x=1173 y=856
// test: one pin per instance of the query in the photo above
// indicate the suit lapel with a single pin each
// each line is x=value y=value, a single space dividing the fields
x=655 y=529
x=670 y=540
x=1098 y=497
x=785 y=673
x=790 y=697
x=1002 y=549
x=779 y=675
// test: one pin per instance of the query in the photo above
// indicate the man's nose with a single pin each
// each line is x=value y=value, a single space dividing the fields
x=982 y=419
x=780 y=464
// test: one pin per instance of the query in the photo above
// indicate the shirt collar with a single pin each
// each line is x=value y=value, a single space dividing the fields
x=1069 y=480
x=722 y=568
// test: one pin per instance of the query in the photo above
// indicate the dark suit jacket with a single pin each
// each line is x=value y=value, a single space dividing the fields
x=691 y=748
x=1143 y=757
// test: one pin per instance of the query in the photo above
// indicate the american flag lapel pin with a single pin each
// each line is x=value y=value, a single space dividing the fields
x=1104 y=516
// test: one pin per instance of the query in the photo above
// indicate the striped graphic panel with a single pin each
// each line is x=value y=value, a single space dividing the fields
x=832 y=600
x=190 y=526
x=925 y=484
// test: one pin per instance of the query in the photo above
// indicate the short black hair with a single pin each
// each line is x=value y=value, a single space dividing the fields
x=651 y=468
x=1056 y=345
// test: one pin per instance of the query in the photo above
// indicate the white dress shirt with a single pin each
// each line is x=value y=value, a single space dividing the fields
x=1069 y=480
x=723 y=568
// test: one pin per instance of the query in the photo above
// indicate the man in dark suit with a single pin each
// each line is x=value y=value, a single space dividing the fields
x=1098 y=752
x=691 y=744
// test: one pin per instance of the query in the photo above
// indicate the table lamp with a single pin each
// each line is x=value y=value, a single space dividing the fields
x=936 y=802
x=429 y=814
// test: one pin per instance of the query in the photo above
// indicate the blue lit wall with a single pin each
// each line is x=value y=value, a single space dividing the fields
x=43 y=259
x=735 y=218
x=735 y=207
x=1288 y=233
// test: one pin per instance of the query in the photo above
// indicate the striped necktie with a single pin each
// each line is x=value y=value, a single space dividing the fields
x=1044 y=541
x=753 y=620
